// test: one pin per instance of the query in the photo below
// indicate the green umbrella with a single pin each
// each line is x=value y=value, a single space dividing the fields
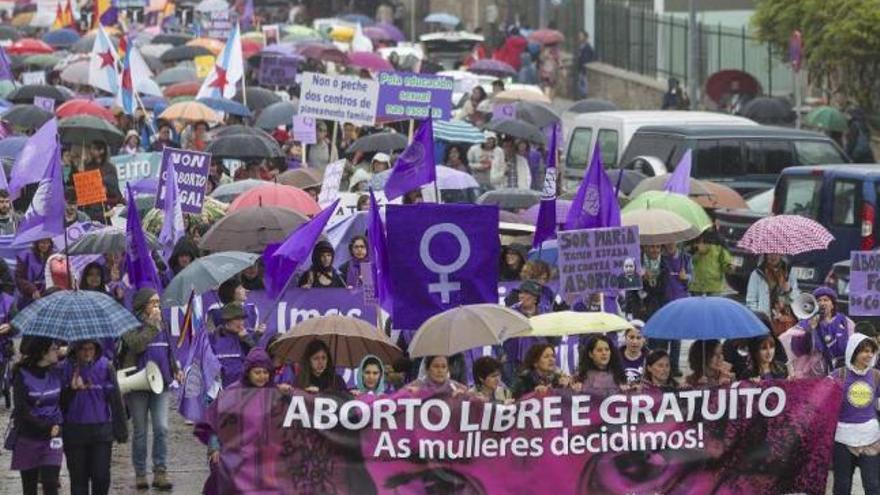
x=83 y=129
x=679 y=204
x=6 y=87
x=827 y=119
x=43 y=60
x=301 y=31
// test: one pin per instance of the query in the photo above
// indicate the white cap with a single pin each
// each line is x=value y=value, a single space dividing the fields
x=636 y=323
x=382 y=157
x=490 y=135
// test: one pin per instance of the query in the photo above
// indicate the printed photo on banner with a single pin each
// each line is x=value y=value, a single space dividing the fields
x=599 y=260
x=192 y=169
x=271 y=33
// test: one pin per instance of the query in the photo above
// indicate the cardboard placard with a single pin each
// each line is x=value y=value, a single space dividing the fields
x=304 y=129
x=89 y=188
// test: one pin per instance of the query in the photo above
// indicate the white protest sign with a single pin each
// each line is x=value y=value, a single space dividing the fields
x=339 y=98
x=33 y=77
x=330 y=186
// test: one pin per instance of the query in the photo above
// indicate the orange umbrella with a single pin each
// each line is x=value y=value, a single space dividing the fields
x=79 y=106
x=216 y=46
x=719 y=196
x=187 y=88
x=277 y=195
x=190 y=111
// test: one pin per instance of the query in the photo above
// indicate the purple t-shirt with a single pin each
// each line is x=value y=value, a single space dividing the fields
x=634 y=369
x=859 y=396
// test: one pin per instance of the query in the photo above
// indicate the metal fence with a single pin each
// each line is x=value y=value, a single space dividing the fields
x=655 y=45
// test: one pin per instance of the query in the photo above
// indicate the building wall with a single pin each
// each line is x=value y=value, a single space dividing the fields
x=628 y=90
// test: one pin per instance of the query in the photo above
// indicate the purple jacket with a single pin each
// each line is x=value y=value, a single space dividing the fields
x=30 y=276
x=231 y=352
x=37 y=400
x=675 y=287
x=159 y=351
x=91 y=405
x=829 y=339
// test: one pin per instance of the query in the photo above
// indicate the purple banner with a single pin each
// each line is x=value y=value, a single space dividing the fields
x=864 y=283
x=718 y=441
x=277 y=71
x=191 y=168
x=443 y=256
x=414 y=96
x=599 y=260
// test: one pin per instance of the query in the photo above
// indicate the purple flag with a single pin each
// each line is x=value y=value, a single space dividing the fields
x=680 y=180
x=378 y=244
x=35 y=158
x=293 y=251
x=444 y=256
x=5 y=66
x=414 y=167
x=45 y=216
x=138 y=260
x=545 y=228
x=247 y=17
x=201 y=378
x=172 y=226
x=595 y=204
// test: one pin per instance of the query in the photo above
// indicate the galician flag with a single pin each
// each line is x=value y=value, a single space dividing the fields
x=125 y=97
x=229 y=68
x=102 y=64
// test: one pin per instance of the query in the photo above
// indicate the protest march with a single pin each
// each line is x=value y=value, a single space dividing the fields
x=261 y=248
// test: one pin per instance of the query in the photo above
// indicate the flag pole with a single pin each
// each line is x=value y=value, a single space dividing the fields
x=243 y=71
x=140 y=103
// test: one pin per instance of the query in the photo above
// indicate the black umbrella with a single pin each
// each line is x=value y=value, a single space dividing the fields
x=173 y=39
x=382 y=141
x=183 y=52
x=153 y=63
x=25 y=94
x=86 y=43
x=244 y=146
x=27 y=116
x=510 y=199
x=9 y=33
x=768 y=111
x=232 y=130
x=517 y=129
x=176 y=75
x=257 y=98
x=538 y=114
x=591 y=105
x=276 y=114
x=628 y=182
x=85 y=129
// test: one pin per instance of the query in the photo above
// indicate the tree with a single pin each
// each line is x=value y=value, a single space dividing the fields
x=841 y=43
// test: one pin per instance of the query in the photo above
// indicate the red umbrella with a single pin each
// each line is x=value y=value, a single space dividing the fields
x=29 y=46
x=719 y=84
x=250 y=47
x=277 y=195
x=369 y=60
x=547 y=36
x=318 y=51
x=80 y=106
x=188 y=88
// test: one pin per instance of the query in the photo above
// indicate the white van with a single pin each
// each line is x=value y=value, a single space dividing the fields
x=613 y=131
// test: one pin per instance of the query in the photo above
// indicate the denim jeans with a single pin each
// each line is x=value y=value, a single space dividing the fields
x=845 y=465
x=139 y=404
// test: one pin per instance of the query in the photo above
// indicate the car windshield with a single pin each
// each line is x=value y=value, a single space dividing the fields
x=801 y=195
x=817 y=153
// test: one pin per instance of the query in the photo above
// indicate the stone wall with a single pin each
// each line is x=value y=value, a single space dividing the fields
x=629 y=91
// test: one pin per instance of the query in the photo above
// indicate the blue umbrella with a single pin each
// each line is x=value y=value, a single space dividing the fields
x=361 y=19
x=226 y=106
x=443 y=18
x=703 y=318
x=61 y=38
x=75 y=315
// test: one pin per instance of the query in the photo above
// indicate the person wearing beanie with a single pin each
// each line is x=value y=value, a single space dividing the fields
x=132 y=143
x=231 y=343
x=825 y=334
x=321 y=274
x=150 y=342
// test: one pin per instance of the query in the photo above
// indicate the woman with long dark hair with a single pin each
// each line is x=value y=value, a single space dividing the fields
x=539 y=373
x=600 y=368
x=762 y=360
x=30 y=271
x=708 y=367
x=317 y=373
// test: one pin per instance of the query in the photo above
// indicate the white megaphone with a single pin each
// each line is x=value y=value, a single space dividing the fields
x=804 y=306
x=147 y=379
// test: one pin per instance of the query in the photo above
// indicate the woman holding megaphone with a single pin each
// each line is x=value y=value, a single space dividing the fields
x=826 y=333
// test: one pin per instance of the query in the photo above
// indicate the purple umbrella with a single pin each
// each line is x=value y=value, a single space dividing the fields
x=369 y=60
x=393 y=32
x=286 y=49
x=562 y=206
x=491 y=67
x=377 y=34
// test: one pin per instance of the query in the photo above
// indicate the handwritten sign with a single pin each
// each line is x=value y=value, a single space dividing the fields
x=339 y=98
x=332 y=180
x=89 y=188
x=599 y=260
x=304 y=129
x=414 y=96
x=864 y=283
x=191 y=168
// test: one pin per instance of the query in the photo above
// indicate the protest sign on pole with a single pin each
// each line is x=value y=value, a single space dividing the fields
x=217 y=24
x=694 y=441
x=192 y=169
x=131 y=168
x=339 y=98
x=444 y=256
x=89 y=188
x=271 y=33
x=864 y=283
x=504 y=111
x=414 y=96
x=47 y=104
x=330 y=185
x=204 y=64
x=304 y=129
x=277 y=71
x=33 y=77
x=599 y=260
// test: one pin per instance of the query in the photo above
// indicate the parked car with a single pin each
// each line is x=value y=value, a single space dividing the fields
x=843 y=198
x=613 y=130
x=747 y=158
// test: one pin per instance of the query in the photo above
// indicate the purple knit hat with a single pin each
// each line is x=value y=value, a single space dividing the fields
x=826 y=292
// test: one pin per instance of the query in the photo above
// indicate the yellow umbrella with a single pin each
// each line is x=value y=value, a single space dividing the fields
x=190 y=111
x=512 y=95
x=215 y=46
x=564 y=323
x=342 y=33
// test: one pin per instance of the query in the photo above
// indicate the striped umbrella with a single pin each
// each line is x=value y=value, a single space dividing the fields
x=785 y=234
x=457 y=131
